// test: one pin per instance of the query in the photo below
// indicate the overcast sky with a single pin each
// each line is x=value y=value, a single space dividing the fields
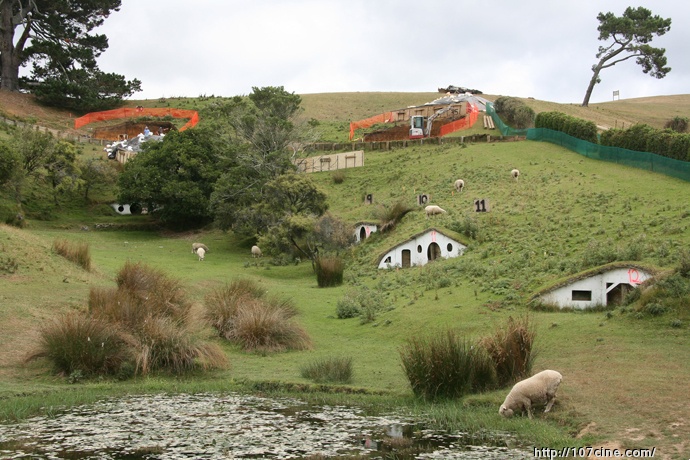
x=529 y=48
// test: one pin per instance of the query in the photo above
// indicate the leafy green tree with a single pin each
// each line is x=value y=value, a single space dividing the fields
x=55 y=37
x=61 y=168
x=97 y=172
x=631 y=35
x=257 y=130
x=287 y=215
x=174 y=178
x=10 y=162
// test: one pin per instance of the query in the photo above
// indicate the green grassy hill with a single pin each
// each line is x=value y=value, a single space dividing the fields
x=566 y=213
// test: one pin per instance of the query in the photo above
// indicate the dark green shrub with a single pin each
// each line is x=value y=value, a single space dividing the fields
x=445 y=366
x=328 y=370
x=677 y=124
x=511 y=349
x=329 y=271
x=514 y=112
x=338 y=176
x=365 y=303
x=572 y=126
x=347 y=307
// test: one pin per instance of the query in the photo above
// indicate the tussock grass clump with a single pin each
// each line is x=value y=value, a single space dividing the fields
x=139 y=327
x=329 y=271
x=241 y=313
x=445 y=366
x=338 y=176
x=328 y=370
x=391 y=216
x=79 y=343
x=511 y=348
x=222 y=304
x=78 y=253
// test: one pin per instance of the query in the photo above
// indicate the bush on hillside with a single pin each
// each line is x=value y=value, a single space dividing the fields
x=514 y=112
x=363 y=303
x=644 y=138
x=390 y=216
x=572 y=126
x=677 y=124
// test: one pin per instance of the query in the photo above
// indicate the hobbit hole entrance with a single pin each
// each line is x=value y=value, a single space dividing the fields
x=433 y=252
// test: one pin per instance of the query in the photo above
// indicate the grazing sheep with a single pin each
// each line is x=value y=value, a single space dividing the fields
x=256 y=252
x=537 y=390
x=196 y=246
x=201 y=252
x=432 y=210
x=515 y=173
x=459 y=185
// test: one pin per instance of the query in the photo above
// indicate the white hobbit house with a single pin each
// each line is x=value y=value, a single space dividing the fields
x=603 y=287
x=425 y=247
x=363 y=230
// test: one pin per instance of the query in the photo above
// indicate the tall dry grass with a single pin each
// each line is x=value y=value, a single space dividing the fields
x=511 y=348
x=241 y=313
x=142 y=326
x=329 y=271
x=76 y=252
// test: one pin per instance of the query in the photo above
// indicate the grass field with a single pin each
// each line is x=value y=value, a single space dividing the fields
x=624 y=373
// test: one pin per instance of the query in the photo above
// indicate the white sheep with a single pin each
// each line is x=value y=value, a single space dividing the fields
x=459 y=185
x=196 y=246
x=256 y=252
x=201 y=252
x=515 y=173
x=432 y=210
x=537 y=390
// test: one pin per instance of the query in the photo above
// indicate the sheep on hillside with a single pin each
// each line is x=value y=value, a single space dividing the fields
x=537 y=390
x=201 y=252
x=515 y=174
x=256 y=252
x=432 y=210
x=459 y=185
x=196 y=246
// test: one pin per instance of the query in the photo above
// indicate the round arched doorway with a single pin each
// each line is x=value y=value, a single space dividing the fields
x=433 y=252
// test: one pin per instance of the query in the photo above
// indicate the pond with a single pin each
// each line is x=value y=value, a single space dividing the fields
x=236 y=426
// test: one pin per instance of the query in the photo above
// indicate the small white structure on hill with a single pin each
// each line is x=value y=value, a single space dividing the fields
x=606 y=286
x=430 y=245
x=363 y=230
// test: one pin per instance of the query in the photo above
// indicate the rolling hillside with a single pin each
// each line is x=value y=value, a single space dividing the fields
x=623 y=368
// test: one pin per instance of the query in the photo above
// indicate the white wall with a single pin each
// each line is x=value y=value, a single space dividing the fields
x=597 y=285
x=419 y=247
x=368 y=230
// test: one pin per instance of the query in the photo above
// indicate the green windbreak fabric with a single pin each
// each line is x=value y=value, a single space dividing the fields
x=502 y=127
x=642 y=160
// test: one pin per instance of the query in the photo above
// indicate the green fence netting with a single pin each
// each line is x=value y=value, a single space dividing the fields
x=643 y=160
x=502 y=127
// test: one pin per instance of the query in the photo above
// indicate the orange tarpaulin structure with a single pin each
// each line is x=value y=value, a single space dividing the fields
x=385 y=117
x=127 y=112
x=463 y=123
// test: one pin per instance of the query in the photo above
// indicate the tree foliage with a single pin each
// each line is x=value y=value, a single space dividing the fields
x=630 y=35
x=55 y=38
x=173 y=178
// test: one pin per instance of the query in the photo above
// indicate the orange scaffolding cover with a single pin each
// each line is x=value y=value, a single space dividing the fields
x=126 y=112
x=385 y=117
